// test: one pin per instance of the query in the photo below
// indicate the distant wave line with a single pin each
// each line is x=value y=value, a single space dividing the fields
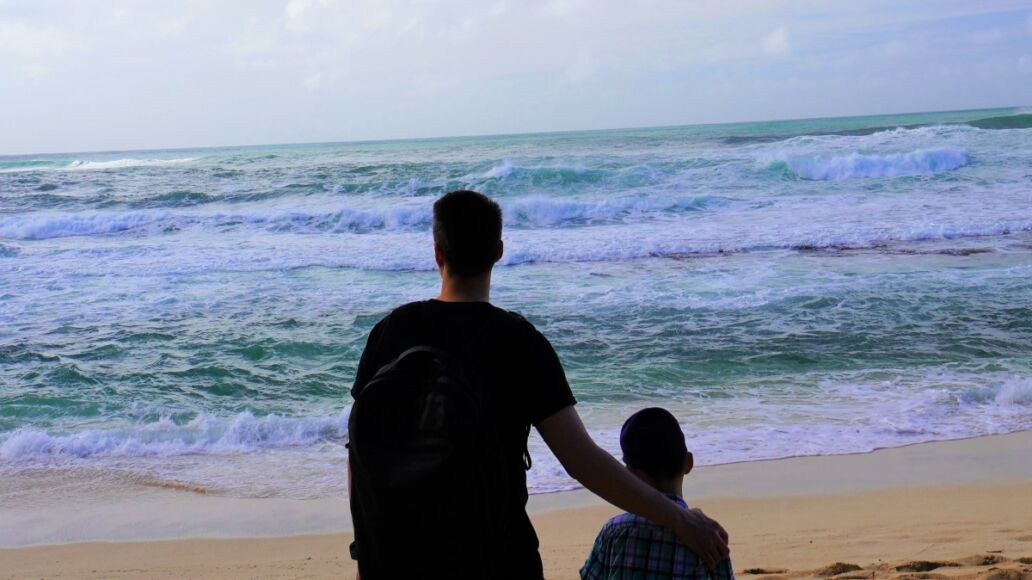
x=858 y=165
x=1020 y=120
x=528 y=212
x=84 y=165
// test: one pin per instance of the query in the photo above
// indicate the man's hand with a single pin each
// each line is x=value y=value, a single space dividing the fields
x=704 y=536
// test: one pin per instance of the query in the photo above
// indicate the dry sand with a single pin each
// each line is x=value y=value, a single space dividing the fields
x=953 y=509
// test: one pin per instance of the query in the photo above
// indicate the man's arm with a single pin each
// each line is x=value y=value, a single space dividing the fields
x=598 y=471
x=358 y=576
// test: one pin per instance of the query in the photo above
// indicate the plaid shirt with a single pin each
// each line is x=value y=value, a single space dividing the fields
x=630 y=547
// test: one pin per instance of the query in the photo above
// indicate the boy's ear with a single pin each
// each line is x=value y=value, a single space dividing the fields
x=499 y=251
x=689 y=463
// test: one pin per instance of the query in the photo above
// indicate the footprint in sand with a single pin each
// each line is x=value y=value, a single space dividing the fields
x=987 y=560
x=924 y=566
x=836 y=569
x=763 y=571
x=1008 y=574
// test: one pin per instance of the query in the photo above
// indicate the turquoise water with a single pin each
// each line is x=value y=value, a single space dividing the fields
x=786 y=288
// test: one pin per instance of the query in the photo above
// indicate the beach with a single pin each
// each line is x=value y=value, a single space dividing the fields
x=944 y=509
x=179 y=330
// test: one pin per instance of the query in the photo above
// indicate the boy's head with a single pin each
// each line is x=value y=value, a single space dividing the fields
x=653 y=445
x=467 y=232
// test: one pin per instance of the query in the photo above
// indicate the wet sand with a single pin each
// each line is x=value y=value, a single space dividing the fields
x=948 y=509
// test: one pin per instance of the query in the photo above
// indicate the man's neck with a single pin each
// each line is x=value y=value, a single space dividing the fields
x=466 y=289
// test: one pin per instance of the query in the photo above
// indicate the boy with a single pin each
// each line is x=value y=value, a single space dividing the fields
x=632 y=547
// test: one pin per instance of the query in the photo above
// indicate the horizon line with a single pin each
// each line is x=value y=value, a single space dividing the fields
x=511 y=134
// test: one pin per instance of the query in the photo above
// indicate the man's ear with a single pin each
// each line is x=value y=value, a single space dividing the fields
x=438 y=255
x=501 y=250
x=689 y=463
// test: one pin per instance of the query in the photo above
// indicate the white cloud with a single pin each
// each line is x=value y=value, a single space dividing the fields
x=1025 y=64
x=777 y=42
x=501 y=7
x=893 y=48
x=261 y=71
x=30 y=51
x=296 y=8
x=583 y=67
x=22 y=40
x=991 y=36
x=314 y=82
x=305 y=14
x=564 y=8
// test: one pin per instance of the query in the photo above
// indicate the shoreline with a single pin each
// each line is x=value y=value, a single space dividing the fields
x=147 y=512
x=950 y=501
x=798 y=457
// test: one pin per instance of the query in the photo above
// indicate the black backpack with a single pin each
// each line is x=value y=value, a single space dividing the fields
x=428 y=474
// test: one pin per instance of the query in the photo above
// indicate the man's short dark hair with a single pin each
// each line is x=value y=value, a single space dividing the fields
x=652 y=441
x=467 y=227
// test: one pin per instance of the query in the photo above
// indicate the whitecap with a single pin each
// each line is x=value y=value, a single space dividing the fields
x=87 y=165
x=858 y=165
x=205 y=434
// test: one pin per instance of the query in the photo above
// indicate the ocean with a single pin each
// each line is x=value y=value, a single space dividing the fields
x=193 y=318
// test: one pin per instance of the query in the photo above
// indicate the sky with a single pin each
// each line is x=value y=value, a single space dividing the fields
x=89 y=75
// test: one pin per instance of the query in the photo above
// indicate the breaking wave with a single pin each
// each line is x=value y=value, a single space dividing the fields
x=74 y=224
x=527 y=213
x=561 y=174
x=911 y=417
x=664 y=247
x=1020 y=120
x=857 y=165
x=205 y=434
x=84 y=165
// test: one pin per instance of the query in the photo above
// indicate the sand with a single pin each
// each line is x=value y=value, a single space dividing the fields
x=949 y=509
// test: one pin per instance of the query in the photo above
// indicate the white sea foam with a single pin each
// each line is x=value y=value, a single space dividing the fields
x=896 y=414
x=526 y=212
x=500 y=171
x=46 y=226
x=857 y=165
x=507 y=168
x=1014 y=392
x=594 y=245
x=87 y=165
x=121 y=163
x=235 y=246
x=843 y=417
x=205 y=434
x=542 y=211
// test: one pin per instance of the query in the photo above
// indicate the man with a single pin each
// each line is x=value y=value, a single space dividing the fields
x=522 y=370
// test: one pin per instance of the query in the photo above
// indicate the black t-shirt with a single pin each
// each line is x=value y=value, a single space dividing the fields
x=512 y=357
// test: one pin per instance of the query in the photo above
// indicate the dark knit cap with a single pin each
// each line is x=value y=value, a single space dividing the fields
x=652 y=441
